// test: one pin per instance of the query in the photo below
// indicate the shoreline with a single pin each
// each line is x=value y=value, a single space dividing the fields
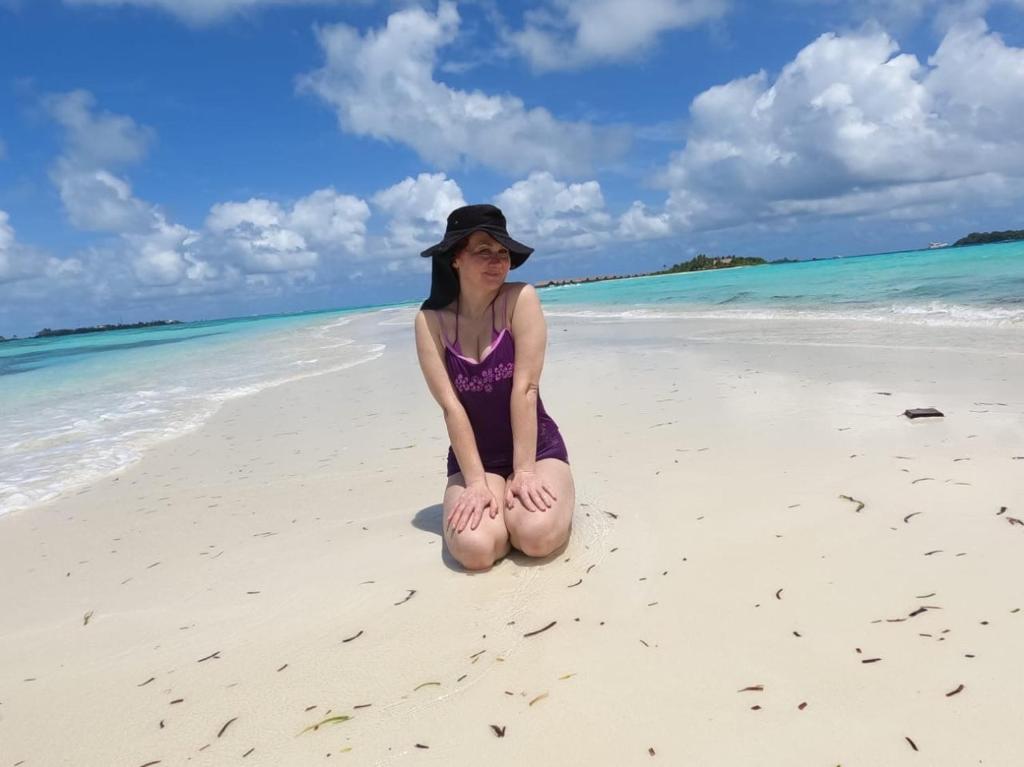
x=118 y=451
x=860 y=333
x=138 y=451
x=561 y=283
x=287 y=555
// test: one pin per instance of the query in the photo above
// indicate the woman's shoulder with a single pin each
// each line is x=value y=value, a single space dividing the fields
x=429 y=321
x=523 y=304
x=433 y=316
x=522 y=290
x=513 y=290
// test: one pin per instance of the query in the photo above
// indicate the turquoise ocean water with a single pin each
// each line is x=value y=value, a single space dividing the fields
x=980 y=286
x=76 y=408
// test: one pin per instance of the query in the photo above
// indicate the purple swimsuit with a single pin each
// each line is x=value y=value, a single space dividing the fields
x=485 y=390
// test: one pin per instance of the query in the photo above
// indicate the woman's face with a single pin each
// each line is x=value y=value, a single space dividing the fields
x=482 y=262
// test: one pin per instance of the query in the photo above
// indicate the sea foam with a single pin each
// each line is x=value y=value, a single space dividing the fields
x=58 y=437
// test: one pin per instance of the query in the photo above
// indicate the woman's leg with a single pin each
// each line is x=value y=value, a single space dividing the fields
x=477 y=549
x=540 y=533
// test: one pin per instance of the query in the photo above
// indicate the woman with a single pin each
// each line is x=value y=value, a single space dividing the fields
x=481 y=345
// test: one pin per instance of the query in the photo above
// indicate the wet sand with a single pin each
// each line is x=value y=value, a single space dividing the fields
x=769 y=565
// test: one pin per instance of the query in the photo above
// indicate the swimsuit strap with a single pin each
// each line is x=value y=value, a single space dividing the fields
x=440 y=324
x=456 y=339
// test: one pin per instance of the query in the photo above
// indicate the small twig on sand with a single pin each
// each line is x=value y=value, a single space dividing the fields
x=860 y=504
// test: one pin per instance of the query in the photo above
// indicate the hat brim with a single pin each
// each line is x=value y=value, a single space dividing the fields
x=517 y=251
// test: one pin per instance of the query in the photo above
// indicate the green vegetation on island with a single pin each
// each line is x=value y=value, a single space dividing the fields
x=48 y=333
x=698 y=263
x=982 y=238
x=701 y=262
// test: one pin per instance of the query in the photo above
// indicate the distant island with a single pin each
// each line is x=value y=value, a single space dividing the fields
x=982 y=238
x=698 y=263
x=48 y=333
x=701 y=262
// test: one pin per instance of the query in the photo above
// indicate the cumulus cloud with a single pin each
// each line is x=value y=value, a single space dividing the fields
x=163 y=255
x=239 y=240
x=639 y=224
x=6 y=233
x=554 y=214
x=332 y=221
x=851 y=127
x=199 y=11
x=256 y=233
x=542 y=211
x=418 y=210
x=265 y=237
x=382 y=85
x=20 y=262
x=96 y=199
x=568 y=34
x=902 y=14
x=7 y=244
x=97 y=138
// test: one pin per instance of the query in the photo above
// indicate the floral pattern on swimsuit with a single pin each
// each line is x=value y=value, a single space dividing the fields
x=484 y=388
x=486 y=380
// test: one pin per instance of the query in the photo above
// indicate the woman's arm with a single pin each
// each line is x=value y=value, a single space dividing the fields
x=530 y=333
x=460 y=431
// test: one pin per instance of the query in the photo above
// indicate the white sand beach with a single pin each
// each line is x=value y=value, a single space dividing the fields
x=769 y=566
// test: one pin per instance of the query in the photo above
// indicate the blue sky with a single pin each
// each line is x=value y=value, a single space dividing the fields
x=209 y=158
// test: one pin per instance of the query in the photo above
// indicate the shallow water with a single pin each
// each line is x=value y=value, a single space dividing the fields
x=76 y=408
x=980 y=286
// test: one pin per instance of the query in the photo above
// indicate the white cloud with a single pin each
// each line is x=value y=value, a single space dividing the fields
x=979 y=82
x=852 y=127
x=907 y=201
x=7 y=243
x=200 y=11
x=94 y=198
x=259 y=214
x=332 y=221
x=637 y=224
x=97 y=138
x=541 y=210
x=98 y=200
x=903 y=14
x=418 y=209
x=574 y=33
x=163 y=256
x=256 y=234
x=382 y=85
x=239 y=239
x=19 y=262
x=6 y=233
x=555 y=215
x=264 y=237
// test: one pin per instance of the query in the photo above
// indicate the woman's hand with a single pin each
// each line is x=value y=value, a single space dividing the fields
x=532 y=491
x=469 y=509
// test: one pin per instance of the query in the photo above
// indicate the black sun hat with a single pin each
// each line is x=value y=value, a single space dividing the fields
x=462 y=222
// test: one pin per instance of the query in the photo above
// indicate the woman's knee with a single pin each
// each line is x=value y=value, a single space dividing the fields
x=474 y=550
x=538 y=533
